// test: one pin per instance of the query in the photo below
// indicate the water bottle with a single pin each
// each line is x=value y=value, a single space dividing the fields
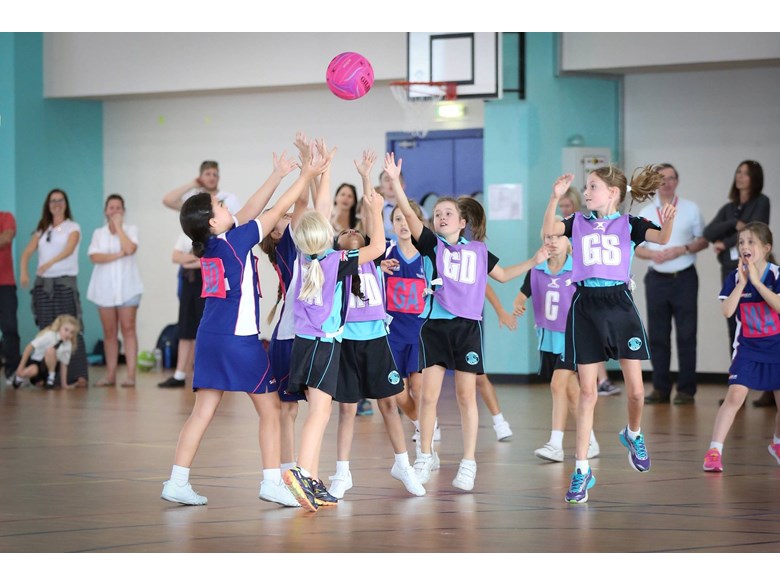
x=158 y=359
x=167 y=356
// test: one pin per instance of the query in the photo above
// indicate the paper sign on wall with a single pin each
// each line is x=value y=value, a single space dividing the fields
x=505 y=201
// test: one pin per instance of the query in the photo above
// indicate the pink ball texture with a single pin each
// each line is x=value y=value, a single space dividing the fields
x=349 y=76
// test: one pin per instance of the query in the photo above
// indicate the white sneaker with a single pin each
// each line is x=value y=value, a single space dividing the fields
x=436 y=433
x=503 y=432
x=593 y=449
x=182 y=495
x=550 y=452
x=424 y=464
x=467 y=473
x=416 y=436
x=278 y=494
x=339 y=484
x=408 y=477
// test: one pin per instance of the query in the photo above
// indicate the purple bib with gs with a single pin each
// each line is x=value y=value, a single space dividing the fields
x=311 y=315
x=551 y=295
x=373 y=307
x=601 y=248
x=463 y=271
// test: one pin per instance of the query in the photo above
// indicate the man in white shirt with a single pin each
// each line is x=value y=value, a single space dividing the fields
x=206 y=182
x=672 y=290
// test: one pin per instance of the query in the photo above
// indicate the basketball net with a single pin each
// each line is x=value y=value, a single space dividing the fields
x=419 y=100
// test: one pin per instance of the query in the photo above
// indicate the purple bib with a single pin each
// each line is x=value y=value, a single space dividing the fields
x=602 y=248
x=310 y=315
x=463 y=271
x=551 y=296
x=373 y=308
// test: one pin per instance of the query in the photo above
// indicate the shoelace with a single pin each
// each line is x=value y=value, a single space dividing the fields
x=713 y=456
x=577 y=479
x=639 y=445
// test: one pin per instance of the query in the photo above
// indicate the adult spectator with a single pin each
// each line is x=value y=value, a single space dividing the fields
x=672 y=291
x=116 y=288
x=55 y=291
x=8 y=300
x=206 y=182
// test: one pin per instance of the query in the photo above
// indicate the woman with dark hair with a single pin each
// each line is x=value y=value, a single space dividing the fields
x=343 y=216
x=55 y=291
x=746 y=204
x=116 y=288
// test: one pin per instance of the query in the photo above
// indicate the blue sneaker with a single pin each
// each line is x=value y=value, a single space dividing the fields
x=364 y=407
x=301 y=487
x=637 y=452
x=580 y=484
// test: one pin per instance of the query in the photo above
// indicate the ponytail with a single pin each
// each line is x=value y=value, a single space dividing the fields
x=474 y=214
x=194 y=219
x=313 y=280
x=313 y=235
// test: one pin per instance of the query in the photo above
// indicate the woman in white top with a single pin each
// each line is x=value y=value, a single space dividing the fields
x=115 y=287
x=55 y=292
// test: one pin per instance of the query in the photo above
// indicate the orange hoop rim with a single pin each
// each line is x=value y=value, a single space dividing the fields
x=450 y=88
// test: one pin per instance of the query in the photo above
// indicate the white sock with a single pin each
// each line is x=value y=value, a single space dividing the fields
x=416 y=424
x=50 y=377
x=179 y=375
x=273 y=475
x=18 y=379
x=342 y=467
x=287 y=466
x=633 y=434
x=556 y=438
x=402 y=459
x=304 y=473
x=180 y=475
x=582 y=465
x=718 y=446
x=498 y=419
x=776 y=440
x=593 y=437
x=421 y=455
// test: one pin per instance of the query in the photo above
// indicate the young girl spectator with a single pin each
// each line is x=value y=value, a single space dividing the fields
x=451 y=337
x=50 y=347
x=550 y=286
x=115 y=287
x=319 y=321
x=603 y=321
x=229 y=356
x=752 y=292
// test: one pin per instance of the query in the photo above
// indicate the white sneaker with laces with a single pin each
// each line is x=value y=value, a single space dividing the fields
x=409 y=478
x=277 y=493
x=503 y=432
x=339 y=484
x=424 y=464
x=467 y=473
x=550 y=452
x=593 y=449
x=182 y=494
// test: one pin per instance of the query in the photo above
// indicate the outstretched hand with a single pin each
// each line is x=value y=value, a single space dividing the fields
x=562 y=185
x=283 y=165
x=303 y=145
x=367 y=162
x=668 y=212
x=318 y=162
x=392 y=168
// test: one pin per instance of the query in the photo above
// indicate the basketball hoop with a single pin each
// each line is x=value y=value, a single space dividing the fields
x=418 y=99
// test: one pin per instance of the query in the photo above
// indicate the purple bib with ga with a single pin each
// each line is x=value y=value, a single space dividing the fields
x=602 y=248
x=463 y=271
x=310 y=315
x=373 y=308
x=551 y=295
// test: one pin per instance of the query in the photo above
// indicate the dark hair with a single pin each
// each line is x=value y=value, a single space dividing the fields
x=474 y=213
x=116 y=196
x=764 y=234
x=208 y=164
x=661 y=166
x=46 y=217
x=355 y=288
x=352 y=210
x=194 y=219
x=756 y=174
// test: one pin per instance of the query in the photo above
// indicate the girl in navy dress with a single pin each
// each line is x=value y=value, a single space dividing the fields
x=603 y=321
x=229 y=355
x=451 y=336
x=320 y=310
x=752 y=293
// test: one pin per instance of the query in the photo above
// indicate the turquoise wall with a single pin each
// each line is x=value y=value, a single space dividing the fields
x=46 y=144
x=523 y=144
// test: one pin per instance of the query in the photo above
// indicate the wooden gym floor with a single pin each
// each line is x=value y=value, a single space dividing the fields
x=82 y=471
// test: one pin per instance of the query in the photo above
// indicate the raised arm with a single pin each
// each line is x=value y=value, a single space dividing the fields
x=730 y=303
x=172 y=199
x=667 y=223
x=323 y=198
x=364 y=170
x=552 y=225
x=393 y=171
x=259 y=199
x=373 y=204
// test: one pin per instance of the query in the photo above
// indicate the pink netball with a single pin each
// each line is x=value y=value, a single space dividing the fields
x=349 y=76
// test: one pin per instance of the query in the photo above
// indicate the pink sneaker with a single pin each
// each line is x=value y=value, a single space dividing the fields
x=774 y=451
x=712 y=461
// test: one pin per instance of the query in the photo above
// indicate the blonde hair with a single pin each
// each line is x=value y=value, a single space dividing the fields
x=574 y=195
x=557 y=218
x=643 y=184
x=57 y=324
x=313 y=235
x=415 y=207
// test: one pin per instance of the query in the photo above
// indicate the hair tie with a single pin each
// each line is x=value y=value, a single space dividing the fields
x=312 y=256
x=628 y=189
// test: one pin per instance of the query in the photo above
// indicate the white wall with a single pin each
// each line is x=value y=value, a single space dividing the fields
x=154 y=145
x=615 y=52
x=706 y=123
